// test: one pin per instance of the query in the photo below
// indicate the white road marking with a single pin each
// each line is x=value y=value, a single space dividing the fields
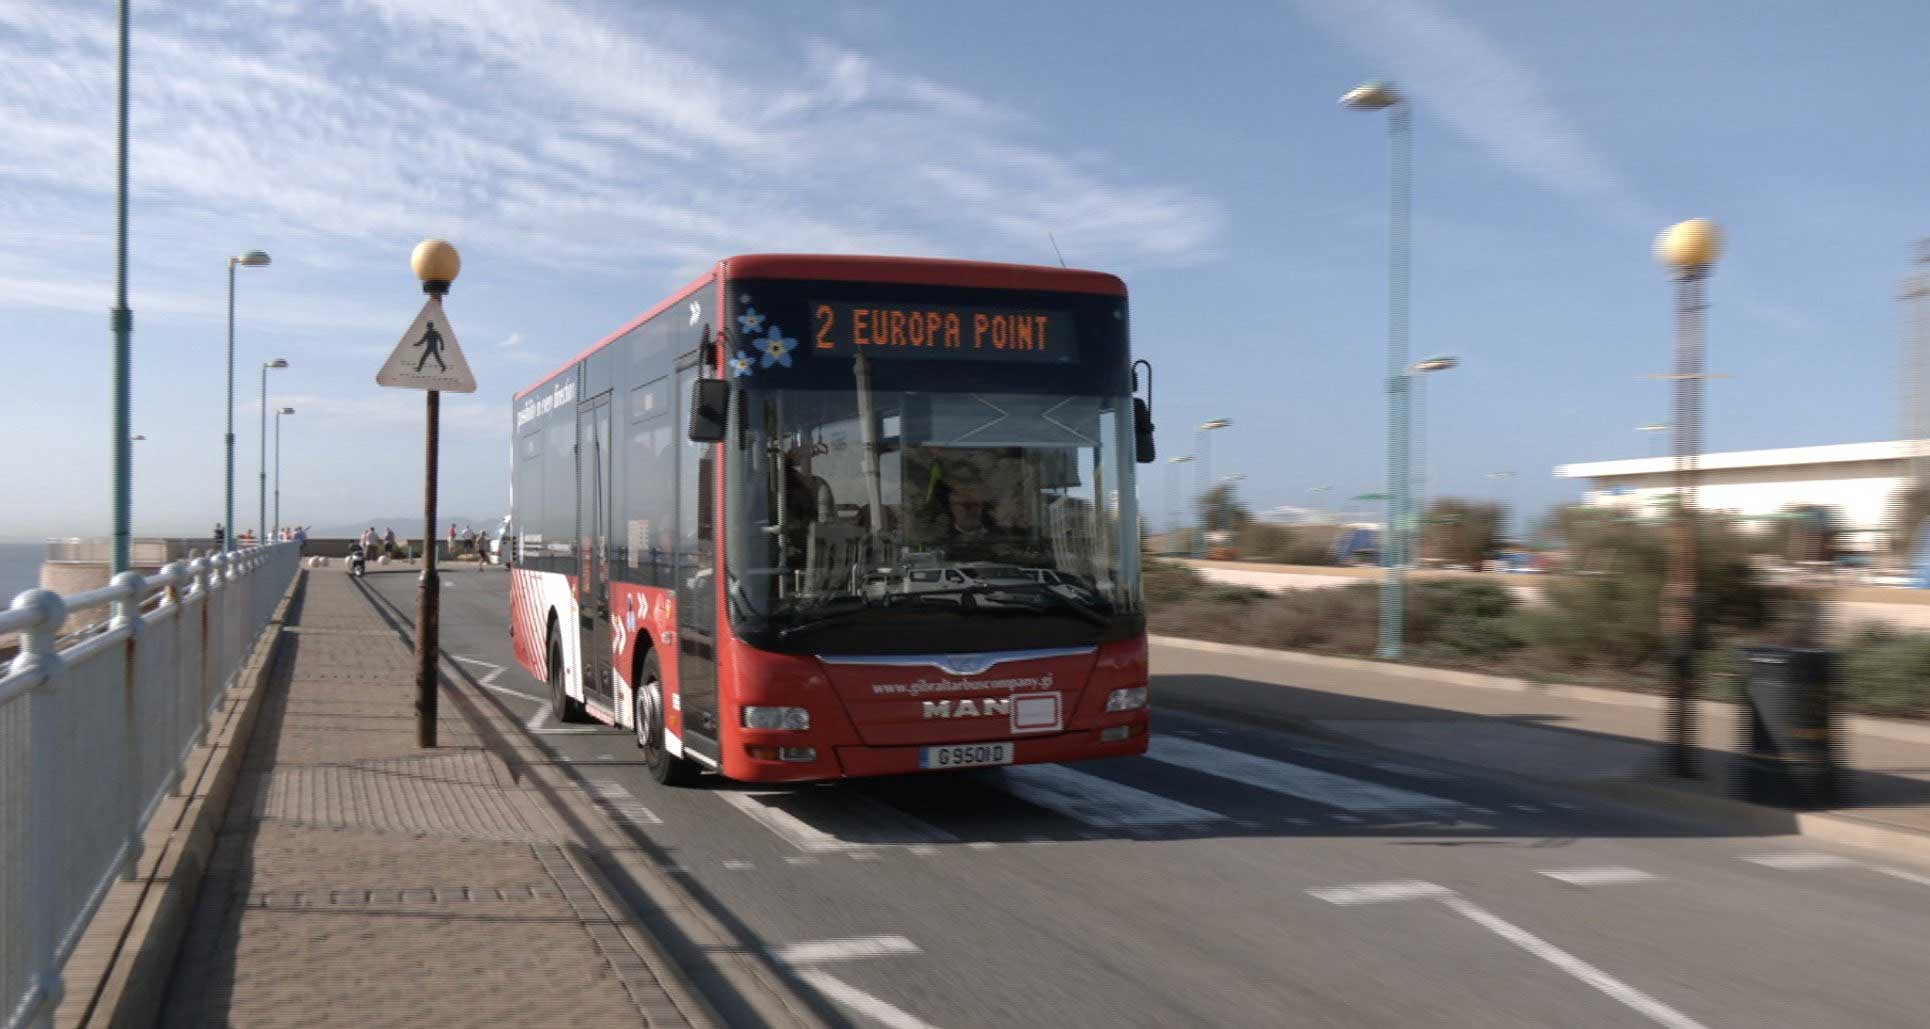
x=924 y=849
x=1529 y=808
x=803 y=957
x=488 y=681
x=1348 y=819
x=1380 y=893
x=1298 y=821
x=1898 y=873
x=539 y=724
x=1293 y=780
x=981 y=845
x=861 y=1002
x=1799 y=860
x=1601 y=875
x=618 y=798
x=864 y=855
x=1097 y=802
x=1657 y=1011
x=1412 y=771
x=819 y=952
x=795 y=860
x=735 y=865
x=852 y=821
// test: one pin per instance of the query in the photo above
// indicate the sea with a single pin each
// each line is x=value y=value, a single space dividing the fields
x=19 y=568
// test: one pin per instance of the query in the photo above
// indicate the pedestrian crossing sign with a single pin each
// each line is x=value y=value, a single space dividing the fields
x=428 y=356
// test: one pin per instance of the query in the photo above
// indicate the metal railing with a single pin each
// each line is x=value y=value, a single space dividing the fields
x=94 y=731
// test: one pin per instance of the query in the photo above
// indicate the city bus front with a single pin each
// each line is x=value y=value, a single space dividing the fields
x=931 y=551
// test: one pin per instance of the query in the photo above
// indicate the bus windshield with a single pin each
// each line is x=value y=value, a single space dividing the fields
x=862 y=518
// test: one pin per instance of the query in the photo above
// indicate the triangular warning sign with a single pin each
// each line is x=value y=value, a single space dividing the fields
x=428 y=356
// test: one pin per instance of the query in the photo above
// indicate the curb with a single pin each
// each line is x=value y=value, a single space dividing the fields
x=669 y=909
x=1650 y=797
x=118 y=975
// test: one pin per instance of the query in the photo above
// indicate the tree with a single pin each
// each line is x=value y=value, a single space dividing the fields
x=1221 y=511
x=1461 y=532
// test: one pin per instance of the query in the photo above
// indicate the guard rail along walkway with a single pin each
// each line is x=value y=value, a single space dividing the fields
x=93 y=731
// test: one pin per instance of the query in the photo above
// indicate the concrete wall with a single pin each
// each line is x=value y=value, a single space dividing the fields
x=1862 y=491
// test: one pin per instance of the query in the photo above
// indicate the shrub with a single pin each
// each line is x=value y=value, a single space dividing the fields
x=1886 y=671
x=1168 y=582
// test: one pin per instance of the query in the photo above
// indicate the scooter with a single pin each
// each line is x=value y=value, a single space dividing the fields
x=357 y=560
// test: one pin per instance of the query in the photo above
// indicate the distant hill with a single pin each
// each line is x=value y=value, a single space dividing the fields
x=410 y=526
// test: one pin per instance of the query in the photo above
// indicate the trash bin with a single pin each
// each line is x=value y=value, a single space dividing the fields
x=1789 y=740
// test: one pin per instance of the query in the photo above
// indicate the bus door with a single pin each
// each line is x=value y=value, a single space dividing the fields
x=696 y=552
x=593 y=458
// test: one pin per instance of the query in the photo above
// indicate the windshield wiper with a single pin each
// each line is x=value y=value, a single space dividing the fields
x=1028 y=590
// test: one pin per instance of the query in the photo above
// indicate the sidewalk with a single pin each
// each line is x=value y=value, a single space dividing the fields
x=1578 y=735
x=359 y=880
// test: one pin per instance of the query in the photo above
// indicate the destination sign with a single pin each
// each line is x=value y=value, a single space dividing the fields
x=943 y=331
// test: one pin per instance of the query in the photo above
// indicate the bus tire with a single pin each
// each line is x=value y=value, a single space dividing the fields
x=561 y=705
x=665 y=767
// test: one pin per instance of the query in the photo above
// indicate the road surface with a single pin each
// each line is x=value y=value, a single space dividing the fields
x=1245 y=877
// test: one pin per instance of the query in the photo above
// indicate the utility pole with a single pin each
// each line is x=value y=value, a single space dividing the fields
x=123 y=326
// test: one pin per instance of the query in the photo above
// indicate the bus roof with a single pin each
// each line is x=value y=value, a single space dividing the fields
x=916 y=271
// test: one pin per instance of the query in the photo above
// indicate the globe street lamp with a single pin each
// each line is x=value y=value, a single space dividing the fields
x=1203 y=446
x=1438 y=363
x=261 y=520
x=1688 y=250
x=436 y=264
x=251 y=259
x=278 y=413
x=1382 y=96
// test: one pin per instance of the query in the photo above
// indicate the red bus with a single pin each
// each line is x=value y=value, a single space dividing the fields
x=814 y=517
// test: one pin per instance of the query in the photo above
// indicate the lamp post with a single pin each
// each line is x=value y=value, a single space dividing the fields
x=1173 y=512
x=278 y=413
x=1688 y=250
x=121 y=320
x=261 y=518
x=1382 y=96
x=1203 y=446
x=1654 y=430
x=1419 y=371
x=251 y=259
x=437 y=264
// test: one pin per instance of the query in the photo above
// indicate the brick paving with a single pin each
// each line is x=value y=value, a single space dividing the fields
x=362 y=881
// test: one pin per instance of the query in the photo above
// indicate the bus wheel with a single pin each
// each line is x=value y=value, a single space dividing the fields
x=565 y=709
x=666 y=768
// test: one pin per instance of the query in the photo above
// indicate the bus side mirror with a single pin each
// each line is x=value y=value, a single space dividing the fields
x=709 y=410
x=1143 y=432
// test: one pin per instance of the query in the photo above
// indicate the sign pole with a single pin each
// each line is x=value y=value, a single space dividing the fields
x=429 y=341
x=428 y=610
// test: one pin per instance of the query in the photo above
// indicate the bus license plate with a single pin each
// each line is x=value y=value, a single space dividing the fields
x=965 y=755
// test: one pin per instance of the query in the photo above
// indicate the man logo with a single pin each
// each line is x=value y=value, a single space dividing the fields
x=967 y=708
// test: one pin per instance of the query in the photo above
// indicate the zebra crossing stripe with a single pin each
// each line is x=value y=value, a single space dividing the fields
x=1335 y=791
x=1097 y=802
x=613 y=794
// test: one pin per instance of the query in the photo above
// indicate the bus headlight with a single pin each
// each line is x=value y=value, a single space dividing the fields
x=777 y=718
x=1132 y=698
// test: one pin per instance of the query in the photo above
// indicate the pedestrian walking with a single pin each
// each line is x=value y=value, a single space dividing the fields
x=388 y=542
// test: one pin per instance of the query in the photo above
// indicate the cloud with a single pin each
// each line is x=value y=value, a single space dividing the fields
x=1458 y=73
x=514 y=339
x=547 y=132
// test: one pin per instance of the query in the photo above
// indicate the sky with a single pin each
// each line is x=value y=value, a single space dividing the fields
x=589 y=157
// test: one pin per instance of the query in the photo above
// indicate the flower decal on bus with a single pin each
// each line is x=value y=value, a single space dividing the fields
x=740 y=365
x=777 y=348
x=751 y=322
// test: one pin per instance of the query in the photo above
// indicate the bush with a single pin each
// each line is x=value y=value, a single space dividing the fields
x=1168 y=582
x=1885 y=671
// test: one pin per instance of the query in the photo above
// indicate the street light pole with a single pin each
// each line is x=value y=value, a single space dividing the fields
x=1173 y=506
x=1418 y=373
x=1688 y=250
x=1382 y=96
x=261 y=517
x=437 y=264
x=122 y=320
x=278 y=413
x=1203 y=475
x=251 y=259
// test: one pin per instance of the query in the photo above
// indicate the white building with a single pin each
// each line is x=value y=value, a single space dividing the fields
x=1859 y=480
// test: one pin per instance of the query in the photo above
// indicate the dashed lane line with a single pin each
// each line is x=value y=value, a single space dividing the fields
x=1600 y=875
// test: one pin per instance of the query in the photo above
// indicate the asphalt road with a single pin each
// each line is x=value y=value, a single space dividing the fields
x=1246 y=877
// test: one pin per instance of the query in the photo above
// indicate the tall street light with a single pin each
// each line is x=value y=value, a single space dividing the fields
x=1382 y=96
x=121 y=319
x=1172 y=494
x=278 y=413
x=1420 y=369
x=251 y=259
x=1688 y=250
x=1655 y=429
x=261 y=522
x=1203 y=446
